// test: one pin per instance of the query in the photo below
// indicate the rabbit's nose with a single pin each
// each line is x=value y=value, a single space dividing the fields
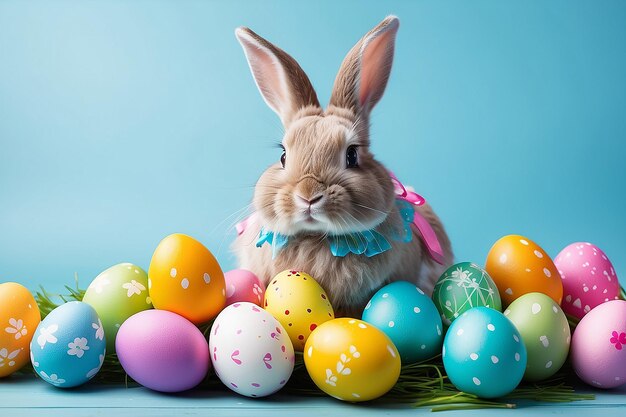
x=308 y=202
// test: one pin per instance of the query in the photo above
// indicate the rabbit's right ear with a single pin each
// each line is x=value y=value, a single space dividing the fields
x=281 y=81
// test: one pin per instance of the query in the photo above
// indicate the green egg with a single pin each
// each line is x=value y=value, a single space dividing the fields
x=545 y=332
x=116 y=294
x=463 y=286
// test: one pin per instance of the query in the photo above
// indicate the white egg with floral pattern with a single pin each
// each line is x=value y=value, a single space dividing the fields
x=68 y=346
x=250 y=350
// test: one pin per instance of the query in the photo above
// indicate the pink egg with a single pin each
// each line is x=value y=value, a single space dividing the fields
x=598 y=349
x=243 y=286
x=162 y=351
x=588 y=278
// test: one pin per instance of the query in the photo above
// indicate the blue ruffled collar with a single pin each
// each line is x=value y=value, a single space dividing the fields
x=368 y=242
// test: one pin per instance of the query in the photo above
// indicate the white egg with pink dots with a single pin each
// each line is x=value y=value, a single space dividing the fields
x=588 y=277
x=250 y=350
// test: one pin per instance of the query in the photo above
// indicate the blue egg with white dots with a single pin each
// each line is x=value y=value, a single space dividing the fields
x=410 y=319
x=68 y=346
x=484 y=354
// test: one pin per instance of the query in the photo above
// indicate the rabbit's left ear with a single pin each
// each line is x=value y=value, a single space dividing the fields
x=363 y=75
x=281 y=81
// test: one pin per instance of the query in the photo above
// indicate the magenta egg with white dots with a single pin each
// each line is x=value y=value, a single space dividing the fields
x=598 y=350
x=243 y=286
x=588 y=277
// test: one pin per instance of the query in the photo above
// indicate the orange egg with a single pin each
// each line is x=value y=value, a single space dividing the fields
x=519 y=266
x=19 y=318
x=185 y=278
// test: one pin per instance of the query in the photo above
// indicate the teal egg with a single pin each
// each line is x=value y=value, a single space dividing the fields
x=484 y=354
x=463 y=286
x=410 y=319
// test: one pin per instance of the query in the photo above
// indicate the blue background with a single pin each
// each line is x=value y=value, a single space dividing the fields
x=123 y=122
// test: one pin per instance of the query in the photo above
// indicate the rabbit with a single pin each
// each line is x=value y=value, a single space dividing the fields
x=327 y=182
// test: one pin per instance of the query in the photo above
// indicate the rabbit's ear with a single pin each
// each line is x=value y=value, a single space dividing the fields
x=282 y=83
x=363 y=75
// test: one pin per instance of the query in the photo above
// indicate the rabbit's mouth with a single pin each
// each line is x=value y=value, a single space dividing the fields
x=312 y=221
x=319 y=221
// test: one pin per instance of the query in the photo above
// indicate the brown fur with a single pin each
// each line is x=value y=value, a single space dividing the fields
x=352 y=199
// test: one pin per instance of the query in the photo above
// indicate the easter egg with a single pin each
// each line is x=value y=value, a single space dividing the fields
x=69 y=345
x=185 y=278
x=299 y=303
x=483 y=353
x=409 y=318
x=19 y=317
x=243 y=286
x=162 y=351
x=598 y=351
x=463 y=286
x=545 y=333
x=351 y=360
x=588 y=277
x=518 y=266
x=116 y=294
x=250 y=350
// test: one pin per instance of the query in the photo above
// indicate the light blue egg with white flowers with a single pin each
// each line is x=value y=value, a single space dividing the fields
x=410 y=319
x=484 y=354
x=68 y=346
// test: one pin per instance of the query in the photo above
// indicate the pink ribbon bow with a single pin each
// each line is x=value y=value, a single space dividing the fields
x=426 y=230
x=243 y=225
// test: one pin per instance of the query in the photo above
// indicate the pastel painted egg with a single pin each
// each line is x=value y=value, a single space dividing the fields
x=483 y=353
x=19 y=317
x=588 y=276
x=185 y=278
x=299 y=303
x=116 y=294
x=409 y=318
x=243 y=286
x=351 y=360
x=518 y=266
x=162 y=351
x=251 y=352
x=69 y=345
x=598 y=351
x=463 y=286
x=545 y=333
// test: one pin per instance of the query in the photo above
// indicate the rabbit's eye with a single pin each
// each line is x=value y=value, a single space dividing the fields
x=352 y=157
x=283 y=158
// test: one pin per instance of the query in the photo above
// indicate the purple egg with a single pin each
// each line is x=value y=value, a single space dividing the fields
x=162 y=351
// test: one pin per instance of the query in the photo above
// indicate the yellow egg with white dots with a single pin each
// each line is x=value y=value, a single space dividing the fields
x=351 y=360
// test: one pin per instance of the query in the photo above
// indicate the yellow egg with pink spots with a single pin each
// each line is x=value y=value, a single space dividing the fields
x=351 y=360
x=19 y=318
x=299 y=303
x=185 y=278
x=519 y=266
